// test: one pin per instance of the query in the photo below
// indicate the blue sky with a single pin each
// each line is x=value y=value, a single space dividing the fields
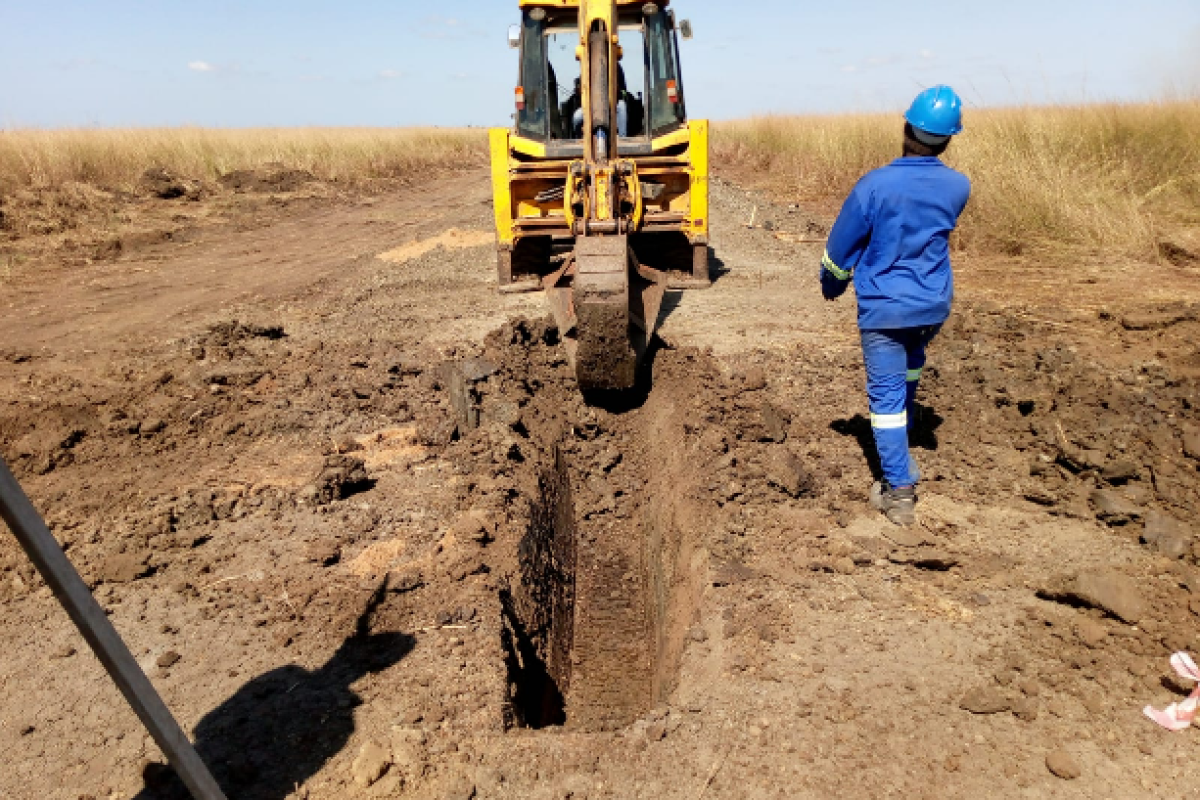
x=402 y=62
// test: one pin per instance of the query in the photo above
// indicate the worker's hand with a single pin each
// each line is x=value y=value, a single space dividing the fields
x=831 y=287
x=832 y=293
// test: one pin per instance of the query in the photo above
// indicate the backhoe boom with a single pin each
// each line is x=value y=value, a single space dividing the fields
x=619 y=174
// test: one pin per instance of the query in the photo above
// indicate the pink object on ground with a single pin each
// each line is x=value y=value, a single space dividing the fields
x=1179 y=716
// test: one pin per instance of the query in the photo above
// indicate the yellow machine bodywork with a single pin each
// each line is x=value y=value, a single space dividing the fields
x=601 y=200
x=521 y=171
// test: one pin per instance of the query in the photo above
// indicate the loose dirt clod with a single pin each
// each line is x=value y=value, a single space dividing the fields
x=1062 y=765
x=985 y=700
x=1167 y=535
x=1025 y=709
x=124 y=567
x=370 y=764
x=1103 y=589
x=1091 y=633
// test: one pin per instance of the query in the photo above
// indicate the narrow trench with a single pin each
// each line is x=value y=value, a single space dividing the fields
x=538 y=612
x=594 y=628
x=535 y=697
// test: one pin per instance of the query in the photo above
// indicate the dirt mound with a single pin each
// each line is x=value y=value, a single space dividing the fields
x=1083 y=438
x=53 y=211
x=1176 y=254
x=227 y=338
x=267 y=179
x=165 y=185
x=144 y=429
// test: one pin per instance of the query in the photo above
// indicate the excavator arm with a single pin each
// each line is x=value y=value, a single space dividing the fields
x=605 y=302
x=618 y=195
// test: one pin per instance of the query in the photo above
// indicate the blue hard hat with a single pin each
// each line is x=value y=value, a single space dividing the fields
x=937 y=111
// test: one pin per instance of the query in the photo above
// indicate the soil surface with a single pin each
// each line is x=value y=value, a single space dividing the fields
x=350 y=512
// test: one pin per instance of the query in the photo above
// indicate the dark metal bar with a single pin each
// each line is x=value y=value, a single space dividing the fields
x=44 y=551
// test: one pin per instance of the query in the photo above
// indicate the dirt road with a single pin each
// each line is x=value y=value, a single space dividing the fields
x=344 y=588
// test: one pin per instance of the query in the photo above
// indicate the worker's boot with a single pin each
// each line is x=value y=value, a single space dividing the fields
x=897 y=504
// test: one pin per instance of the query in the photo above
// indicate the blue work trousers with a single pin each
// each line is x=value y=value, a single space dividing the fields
x=895 y=359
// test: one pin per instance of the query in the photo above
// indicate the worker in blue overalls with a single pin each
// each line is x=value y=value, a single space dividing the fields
x=892 y=239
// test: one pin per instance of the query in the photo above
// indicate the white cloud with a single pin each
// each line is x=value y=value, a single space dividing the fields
x=78 y=63
x=927 y=54
x=440 y=28
x=884 y=61
x=389 y=74
x=850 y=68
x=201 y=66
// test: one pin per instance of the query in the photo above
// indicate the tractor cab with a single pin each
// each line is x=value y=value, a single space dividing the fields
x=549 y=94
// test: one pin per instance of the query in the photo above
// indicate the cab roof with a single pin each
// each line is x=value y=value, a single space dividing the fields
x=577 y=3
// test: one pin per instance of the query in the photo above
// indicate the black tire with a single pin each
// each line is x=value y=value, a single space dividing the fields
x=531 y=258
x=700 y=264
x=686 y=264
x=504 y=267
x=669 y=252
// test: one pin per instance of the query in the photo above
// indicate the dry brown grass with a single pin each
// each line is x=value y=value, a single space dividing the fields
x=1051 y=181
x=74 y=190
x=1109 y=178
x=116 y=159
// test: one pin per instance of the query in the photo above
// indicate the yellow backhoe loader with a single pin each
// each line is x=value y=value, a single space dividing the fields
x=601 y=186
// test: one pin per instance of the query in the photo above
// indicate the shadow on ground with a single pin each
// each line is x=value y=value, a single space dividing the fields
x=717 y=269
x=281 y=728
x=922 y=436
x=674 y=297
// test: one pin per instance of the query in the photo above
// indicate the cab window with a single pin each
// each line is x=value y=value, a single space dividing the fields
x=667 y=110
x=532 y=117
x=564 y=79
x=651 y=93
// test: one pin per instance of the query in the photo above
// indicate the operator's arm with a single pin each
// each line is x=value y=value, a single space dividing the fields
x=847 y=242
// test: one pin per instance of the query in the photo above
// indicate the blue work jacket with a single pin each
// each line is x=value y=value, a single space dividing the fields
x=892 y=237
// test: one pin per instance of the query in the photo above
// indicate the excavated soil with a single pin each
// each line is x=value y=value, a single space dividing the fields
x=354 y=518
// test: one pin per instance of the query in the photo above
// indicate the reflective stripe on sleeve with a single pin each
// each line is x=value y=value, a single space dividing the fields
x=889 y=422
x=914 y=375
x=834 y=269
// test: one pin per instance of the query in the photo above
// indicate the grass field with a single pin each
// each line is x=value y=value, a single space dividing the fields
x=1052 y=182
x=1047 y=181
x=89 y=184
x=116 y=159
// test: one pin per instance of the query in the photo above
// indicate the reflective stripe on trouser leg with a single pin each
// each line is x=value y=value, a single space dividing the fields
x=889 y=422
x=910 y=394
x=886 y=360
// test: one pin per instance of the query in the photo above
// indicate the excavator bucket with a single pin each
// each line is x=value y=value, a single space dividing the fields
x=606 y=306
